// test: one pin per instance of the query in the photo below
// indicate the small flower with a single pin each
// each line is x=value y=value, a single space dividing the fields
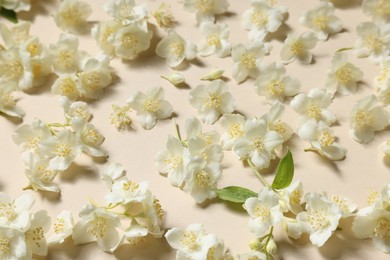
x=206 y=9
x=245 y=60
x=66 y=85
x=320 y=219
x=322 y=21
x=97 y=225
x=313 y=106
x=15 y=72
x=213 y=74
x=35 y=235
x=264 y=211
x=125 y=191
x=212 y=100
x=104 y=33
x=297 y=47
x=15 y=213
x=193 y=129
x=373 y=41
x=90 y=138
x=120 y=117
x=347 y=208
x=175 y=78
x=127 y=11
x=257 y=144
x=112 y=172
x=215 y=39
x=275 y=123
x=73 y=110
x=261 y=19
x=233 y=125
x=378 y=9
x=342 y=75
x=174 y=49
x=164 y=16
x=275 y=85
x=63 y=227
x=72 y=15
x=150 y=106
x=15 y=34
x=13 y=243
x=40 y=175
x=366 y=118
x=292 y=201
x=8 y=103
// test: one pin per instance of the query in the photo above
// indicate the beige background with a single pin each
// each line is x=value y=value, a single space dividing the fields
x=365 y=166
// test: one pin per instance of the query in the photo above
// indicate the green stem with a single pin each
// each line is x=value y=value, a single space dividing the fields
x=344 y=49
x=177 y=130
x=258 y=174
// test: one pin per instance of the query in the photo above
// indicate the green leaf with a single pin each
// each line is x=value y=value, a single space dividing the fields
x=344 y=49
x=8 y=14
x=235 y=194
x=284 y=172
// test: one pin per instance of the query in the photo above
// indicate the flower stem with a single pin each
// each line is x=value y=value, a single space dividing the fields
x=177 y=129
x=258 y=174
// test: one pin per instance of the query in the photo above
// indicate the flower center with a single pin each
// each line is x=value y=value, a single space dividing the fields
x=151 y=105
x=129 y=41
x=36 y=235
x=43 y=173
x=363 y=119
x=295 y=197
x=296 y=47
x=321 y=22
x=262 y=212
x=214 y=101
x=279 y=126
x=4 y=246
x=59 y=226
x=91 y=80
x=97 y=227
x=341 y=202
x=32 y=143
x=177 y=48
x=258 y=144
x=213 y=40
x=68 y=86
x=259 y=18
x=158 y=209
x=190 y=240
x=326 y=139
x=63 y=150
x=248 y=60
x=314 y=111
x=130 y=186
x=13 y=70
x=275 y=88
x=7 y=99
x=344 y=74
x=318 y=219
x=205 y=6
x=373 y=196
x=203 y=179
x=235 y=130
x=7 y=210
x=90 y=136
x=33 y=49
x=119 y=117
x=173 y=161
x=382 y=229
x=211 y=253
x=82 y=112
x=72 y=16
x=66 y=58
x=373 y=43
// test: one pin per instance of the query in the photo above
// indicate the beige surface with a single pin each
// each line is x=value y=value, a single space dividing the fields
x=363 y=168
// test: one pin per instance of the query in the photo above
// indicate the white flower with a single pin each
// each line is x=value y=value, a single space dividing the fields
x=90 y=137
x=292 y=200
x=342 y=75
x=175 y=78
x=246 y=58
x=174 y=49
x=199 y=148
x=292 y=228
x=212 y=100
x=65 y=55
x=171 y=162
x=164 y=16
x=131 y=40
x=13 y=243
x=215 y=39
x=346 y=206
x=104 y=33
x=213 y=74
x=264 y=211
x=72 y=15
x=40 y=175
x=8 y=103
x=261 y=19
x=66 y=85
x=313 y=106
x=73 y=110
x=373 y=41
x=233 y=125
x=193 y=129
x=274 y=84
x=297 y=47
x=35 y=235
x=63 y=227
x=191 y=243
x=150 y=106
x=320 y=219
x=97 y=225
x=378 y=9
x=322 y=21
x=206 y=9
x=95 y=76
x=125 y=191
x=126 y=11
x=201 y=180
x=62 y=149
x=366 y=118
x=257 y=144
x=275 y=123
x=16 y=34
x=15 y=213
x=112 y=172
x=17 y=5
x=321 y=139
x=120 y=117
x=15 y=70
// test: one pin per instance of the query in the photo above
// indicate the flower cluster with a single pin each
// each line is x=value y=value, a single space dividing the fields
x=50 y=148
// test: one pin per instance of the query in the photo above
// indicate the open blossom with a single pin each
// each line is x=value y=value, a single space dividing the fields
x=14 y=213
x=75 y=110
x=131 y=40
x=322 y=20
x=150 y=106
x=320 y=219
x=245 y=60
x=257 y=144
x=298 y=47
x=15 y=34
x=195 y=243
x=215 y=39
x=274 y=84
x=127 y=11
x=104 y=33
x=13 y=242
x=67 y=85
x=164 y=16
x=90 y=137
x=35 y=235
x=373 y=41
x=206 y=9
x=374 y=221
x=97 y=225
x=292 y=201
x=378 y=9
x=193 y=129
x=63 y=227
x=120 y=117
x=72 y=15
x=366 y=118
x=40 y=175
x=174 y=49
x=8 y=103
x=275 y=123
x=342 y=75
x=264 y=211
x=233 y=125
x=125 y=191
x=261 y=19
x=212 y=100
x=322 y=140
